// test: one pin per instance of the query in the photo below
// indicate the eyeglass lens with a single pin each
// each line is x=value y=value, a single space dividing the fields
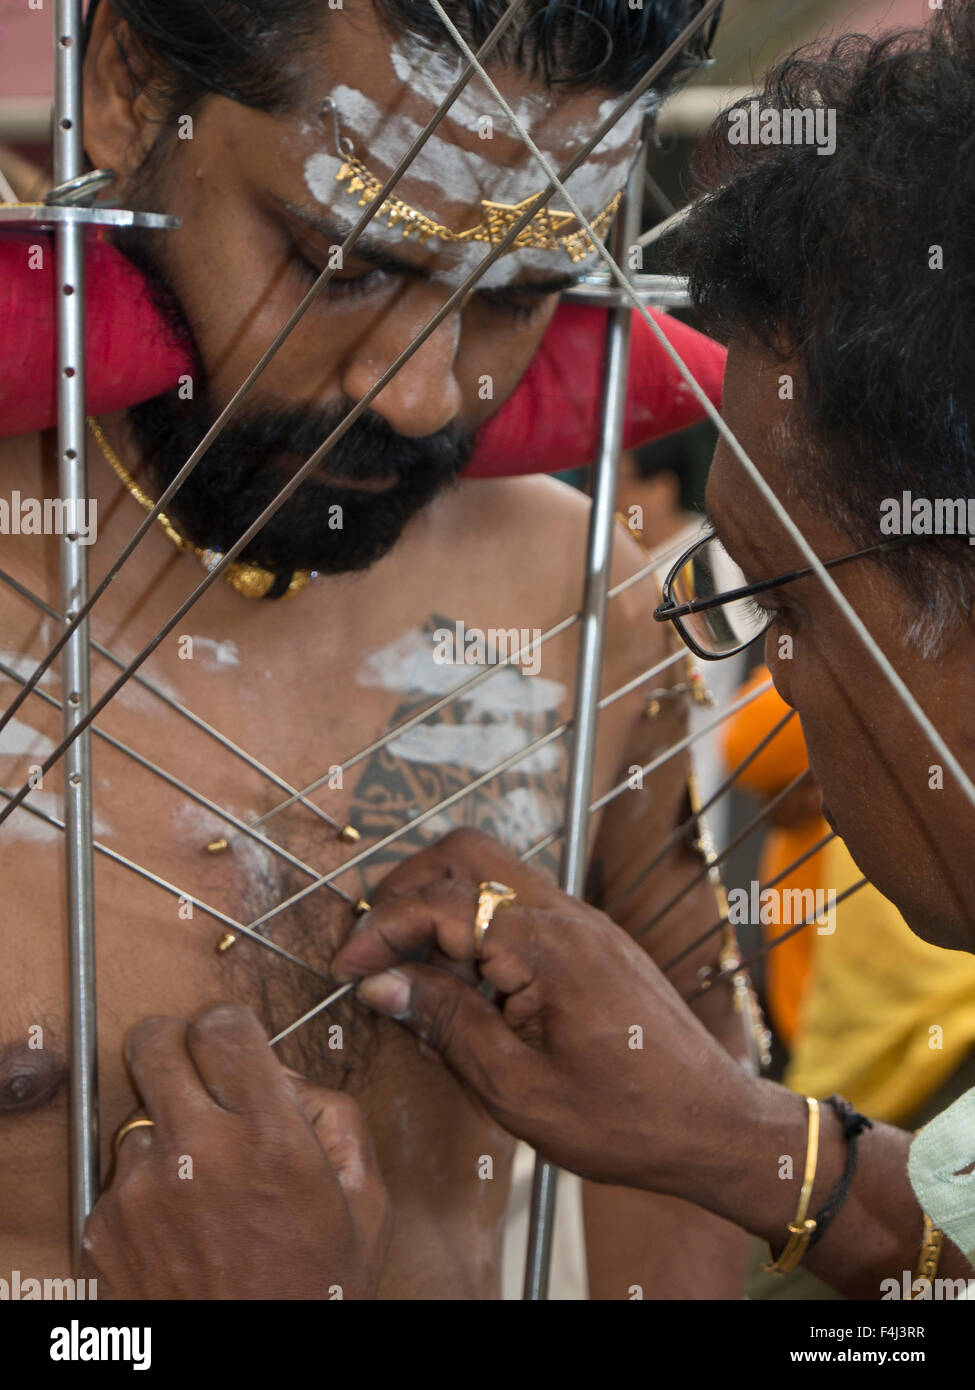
x=710 y=570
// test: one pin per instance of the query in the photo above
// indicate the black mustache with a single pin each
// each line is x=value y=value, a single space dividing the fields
x=369 y=451
x=256 y=454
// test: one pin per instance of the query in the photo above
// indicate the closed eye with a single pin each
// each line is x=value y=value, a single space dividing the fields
x=340 y=286
x=525 y=301
x=514 y=303
x=520 y=302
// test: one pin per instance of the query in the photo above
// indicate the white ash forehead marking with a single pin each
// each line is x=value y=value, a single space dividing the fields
x=469 y=174
x=444 y=176
x=430 y=74
x=443 y=167
x=455 y=260
x=446 y=172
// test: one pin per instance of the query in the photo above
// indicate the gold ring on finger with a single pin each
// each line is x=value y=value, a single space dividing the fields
x=490 y=896
x=138 y=1122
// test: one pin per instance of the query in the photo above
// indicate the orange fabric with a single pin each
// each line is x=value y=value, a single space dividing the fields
x=786 y=755
x=788 y=966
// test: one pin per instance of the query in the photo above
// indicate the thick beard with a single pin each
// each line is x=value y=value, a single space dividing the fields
x=324 y=527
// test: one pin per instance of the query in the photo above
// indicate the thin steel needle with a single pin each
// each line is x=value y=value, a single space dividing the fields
x=234 y=404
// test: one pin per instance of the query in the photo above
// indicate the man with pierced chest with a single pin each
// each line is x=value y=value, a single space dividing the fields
x=327 y=638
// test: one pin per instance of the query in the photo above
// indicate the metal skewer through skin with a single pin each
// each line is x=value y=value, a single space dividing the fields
x=371 y=850
x=77 y=615
x=444 y=804
x=253 y=827
x=77 y=604
x=74 y=59
x=461 y=691
x=251 y=830
x=172 y=889
x=594 y=806
x=296 y=796
x=499 y=248
x=253 y=834
x=714 y=415
x=728 y=974
x=200 y=798
x=224 y=918
x=313 y=1012
x=174 y=704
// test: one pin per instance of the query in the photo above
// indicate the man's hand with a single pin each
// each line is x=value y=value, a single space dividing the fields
x=251 y=1183
x=589 y=1053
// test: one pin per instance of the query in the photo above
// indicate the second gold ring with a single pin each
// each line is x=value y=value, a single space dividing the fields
x=138 y=1122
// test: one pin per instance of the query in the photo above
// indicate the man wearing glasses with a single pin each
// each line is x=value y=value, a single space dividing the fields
x=842 y=285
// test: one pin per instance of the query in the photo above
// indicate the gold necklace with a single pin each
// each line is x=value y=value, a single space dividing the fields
x=252 y=581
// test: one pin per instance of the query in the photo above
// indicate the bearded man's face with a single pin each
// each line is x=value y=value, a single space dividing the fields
x=262 y=213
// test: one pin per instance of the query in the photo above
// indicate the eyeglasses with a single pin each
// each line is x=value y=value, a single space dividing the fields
x=709 y=602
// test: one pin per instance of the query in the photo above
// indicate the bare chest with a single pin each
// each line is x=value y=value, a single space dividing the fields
x=198 y=834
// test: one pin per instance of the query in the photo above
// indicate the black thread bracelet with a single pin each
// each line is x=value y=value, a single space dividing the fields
x=853 y=1126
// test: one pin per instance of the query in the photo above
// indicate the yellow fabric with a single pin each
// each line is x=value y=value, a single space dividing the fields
x=869 y=1022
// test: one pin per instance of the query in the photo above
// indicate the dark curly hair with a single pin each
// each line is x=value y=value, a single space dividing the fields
x=829 y=259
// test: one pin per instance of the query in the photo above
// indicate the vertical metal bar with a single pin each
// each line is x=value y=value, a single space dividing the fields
x=75 y=675
x=589 y=669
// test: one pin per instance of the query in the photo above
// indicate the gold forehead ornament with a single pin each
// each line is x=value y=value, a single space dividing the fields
x=546 y=230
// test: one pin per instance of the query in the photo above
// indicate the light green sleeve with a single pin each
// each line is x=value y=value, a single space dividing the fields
x=941 y=1167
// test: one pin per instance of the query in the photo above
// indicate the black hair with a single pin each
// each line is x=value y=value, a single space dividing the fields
x=831 y=259
x=252 y=50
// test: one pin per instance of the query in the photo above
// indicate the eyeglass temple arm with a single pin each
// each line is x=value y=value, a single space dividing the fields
x=668 y=610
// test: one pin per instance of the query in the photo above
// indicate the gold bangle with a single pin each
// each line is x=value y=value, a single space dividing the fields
x=802 y=1228
x=927 y=1262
